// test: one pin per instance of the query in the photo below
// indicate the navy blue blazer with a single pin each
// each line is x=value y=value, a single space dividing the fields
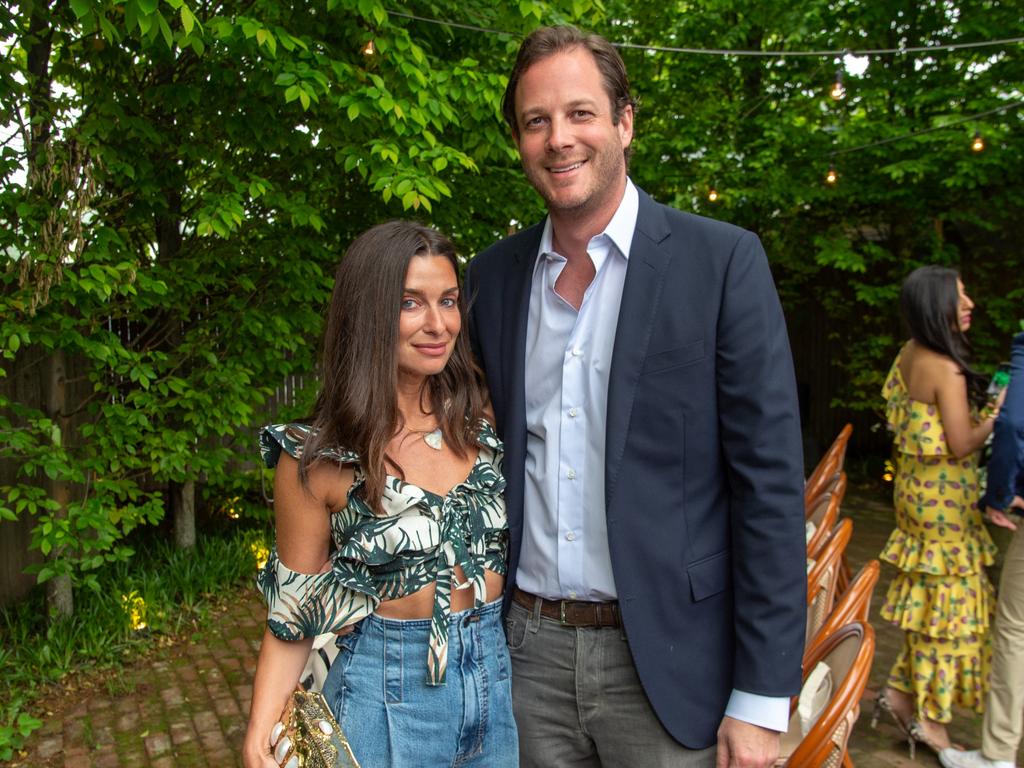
x=704 y=470
x=1006 y=465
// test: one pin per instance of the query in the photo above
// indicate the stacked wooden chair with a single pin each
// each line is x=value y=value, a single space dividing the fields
x=828 y=468
x=820 y=726
x=827 y=480
x=823 y=578
x=840 y=641
x=822 y=516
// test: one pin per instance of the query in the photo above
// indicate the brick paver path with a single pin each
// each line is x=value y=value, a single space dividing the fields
x=186 y=705
x=182 y=706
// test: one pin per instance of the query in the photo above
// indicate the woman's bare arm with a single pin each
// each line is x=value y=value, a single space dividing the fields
x=302 y=522
x=963 y=435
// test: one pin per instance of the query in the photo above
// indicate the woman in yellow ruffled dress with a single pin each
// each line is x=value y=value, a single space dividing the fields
x=941 y=598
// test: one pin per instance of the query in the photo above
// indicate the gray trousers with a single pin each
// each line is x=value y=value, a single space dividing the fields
x=1004 y=711
x=578 y=701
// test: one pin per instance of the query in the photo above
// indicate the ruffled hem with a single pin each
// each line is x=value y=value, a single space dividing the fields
x=963 y=557
x=916 y=426
x=940 y=607
x=941 y=674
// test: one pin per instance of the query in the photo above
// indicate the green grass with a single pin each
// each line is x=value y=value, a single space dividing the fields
x=168 y=589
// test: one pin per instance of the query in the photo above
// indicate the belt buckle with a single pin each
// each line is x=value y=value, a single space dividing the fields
x=561 y=607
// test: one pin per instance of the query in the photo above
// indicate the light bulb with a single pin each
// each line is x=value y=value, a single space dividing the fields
x=831 y=177
x=837 y=91
x=978 y=143
x=369 y=49
x=713 y=195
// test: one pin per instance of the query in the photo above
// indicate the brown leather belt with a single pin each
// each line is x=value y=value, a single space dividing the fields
x=572 y=613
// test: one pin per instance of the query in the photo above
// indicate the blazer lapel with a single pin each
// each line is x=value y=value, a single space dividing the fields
x=517 y=303
x=641 y=294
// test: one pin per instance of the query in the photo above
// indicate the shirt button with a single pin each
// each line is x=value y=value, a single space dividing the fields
x=577 y=352
x=571 y=474
x=570 y=536
x=572 y=595
x=573 y=412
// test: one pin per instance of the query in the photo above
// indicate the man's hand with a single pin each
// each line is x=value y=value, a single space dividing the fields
x=744 y=745
x=1000 y=518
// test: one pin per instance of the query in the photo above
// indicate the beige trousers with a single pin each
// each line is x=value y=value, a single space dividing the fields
x=1004 y=713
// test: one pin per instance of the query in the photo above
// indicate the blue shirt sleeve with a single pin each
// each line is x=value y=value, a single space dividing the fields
x=766 y=711
x=1006 y=465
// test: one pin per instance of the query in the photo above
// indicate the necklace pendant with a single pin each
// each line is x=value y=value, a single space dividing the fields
x=433 y=439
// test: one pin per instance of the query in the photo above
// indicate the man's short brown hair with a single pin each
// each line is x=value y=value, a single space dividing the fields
x=547 y=41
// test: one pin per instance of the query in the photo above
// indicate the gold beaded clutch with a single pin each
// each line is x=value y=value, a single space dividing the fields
x=308 y=736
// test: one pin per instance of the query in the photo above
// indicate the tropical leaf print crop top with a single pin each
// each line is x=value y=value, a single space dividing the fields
x=418 y=540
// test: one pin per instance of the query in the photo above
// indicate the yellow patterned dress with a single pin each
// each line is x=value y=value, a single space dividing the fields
x=941 y=598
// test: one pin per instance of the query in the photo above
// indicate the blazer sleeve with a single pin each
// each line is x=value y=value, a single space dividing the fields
x=1007 y=461
x=761 y=440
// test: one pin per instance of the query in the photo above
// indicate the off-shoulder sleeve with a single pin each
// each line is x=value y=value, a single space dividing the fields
x=291 y=438
x=301 y=605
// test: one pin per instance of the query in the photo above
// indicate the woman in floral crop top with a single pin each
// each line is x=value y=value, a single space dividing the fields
x=940 y=596
x=391 y=527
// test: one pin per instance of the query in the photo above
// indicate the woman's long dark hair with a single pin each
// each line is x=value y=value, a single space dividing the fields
x=357 y=407
x=929 y=300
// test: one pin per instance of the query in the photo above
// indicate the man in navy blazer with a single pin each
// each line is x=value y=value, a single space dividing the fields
x=642 y=381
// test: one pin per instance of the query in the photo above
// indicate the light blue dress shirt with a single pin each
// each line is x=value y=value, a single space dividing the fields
x=564 y=551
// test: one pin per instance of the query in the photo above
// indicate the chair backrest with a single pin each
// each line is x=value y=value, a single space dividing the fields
x=853 y=604
x=823 y=577
x=824 y=515
x=830 y=464
x=818 y=738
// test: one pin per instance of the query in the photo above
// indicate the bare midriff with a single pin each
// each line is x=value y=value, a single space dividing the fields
x=420 y=605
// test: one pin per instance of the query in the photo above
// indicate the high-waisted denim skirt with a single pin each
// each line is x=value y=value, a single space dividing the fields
x=377 y=689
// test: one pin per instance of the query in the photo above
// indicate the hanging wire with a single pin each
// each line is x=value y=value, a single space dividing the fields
x=935 y=48
x=923 y=131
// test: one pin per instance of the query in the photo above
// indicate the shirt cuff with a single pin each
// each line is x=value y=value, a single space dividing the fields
x=766 y=711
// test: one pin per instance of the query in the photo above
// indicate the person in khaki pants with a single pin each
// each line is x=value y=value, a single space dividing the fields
x=1004 y=712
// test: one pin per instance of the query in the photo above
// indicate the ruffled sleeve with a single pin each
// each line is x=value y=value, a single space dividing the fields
x=291 y=438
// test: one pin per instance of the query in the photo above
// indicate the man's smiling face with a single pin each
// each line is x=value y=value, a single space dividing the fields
x=571 y=150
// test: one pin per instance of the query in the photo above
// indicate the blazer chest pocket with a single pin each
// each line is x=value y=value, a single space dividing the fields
x=674 y=358
x=709 y=576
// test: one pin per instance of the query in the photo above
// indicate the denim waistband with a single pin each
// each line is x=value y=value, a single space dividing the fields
x=484 y=611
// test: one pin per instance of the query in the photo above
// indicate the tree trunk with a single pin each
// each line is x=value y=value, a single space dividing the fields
x=183 y=507
x=59 y=596
x=183 y=494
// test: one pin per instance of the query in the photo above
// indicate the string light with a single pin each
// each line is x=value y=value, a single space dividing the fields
x=837 y=91
x=933 y=129
x=927 y=49
x=713 y=194
x=369 y=49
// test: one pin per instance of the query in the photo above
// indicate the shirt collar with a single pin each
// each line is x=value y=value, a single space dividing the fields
x=619 y=230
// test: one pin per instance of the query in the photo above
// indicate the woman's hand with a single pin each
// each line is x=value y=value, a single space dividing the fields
x=256 y=752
